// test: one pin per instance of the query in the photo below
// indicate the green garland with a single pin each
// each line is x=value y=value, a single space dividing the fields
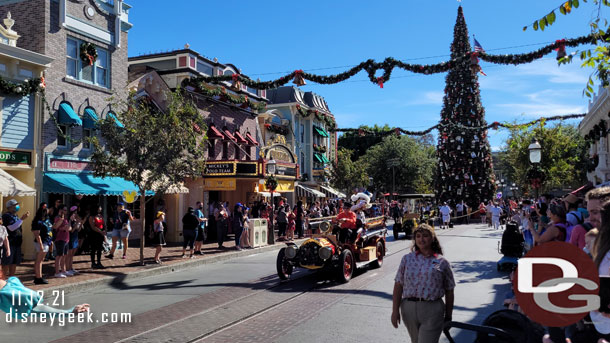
x=373 y=68
x=449 y=125
x=211 y=91
x=328 y=119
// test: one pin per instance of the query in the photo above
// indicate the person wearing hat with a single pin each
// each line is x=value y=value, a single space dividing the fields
x=122 y=229
x=15 y=236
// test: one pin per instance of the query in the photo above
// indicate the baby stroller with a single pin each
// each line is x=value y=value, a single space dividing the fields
x=503 y=326
x=511 y=247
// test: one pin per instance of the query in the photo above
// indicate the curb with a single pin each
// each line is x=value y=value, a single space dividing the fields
x=154 y=270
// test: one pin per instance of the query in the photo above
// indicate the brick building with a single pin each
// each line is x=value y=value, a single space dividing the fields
x=87 y=40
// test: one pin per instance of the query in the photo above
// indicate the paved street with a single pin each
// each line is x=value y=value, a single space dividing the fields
x=242 y=300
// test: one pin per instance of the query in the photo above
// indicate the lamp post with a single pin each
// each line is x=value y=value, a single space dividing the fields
x=271 y=165
x=535 y=157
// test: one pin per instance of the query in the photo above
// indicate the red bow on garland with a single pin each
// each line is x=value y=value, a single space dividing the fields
x=561 y=48
x=380 y=81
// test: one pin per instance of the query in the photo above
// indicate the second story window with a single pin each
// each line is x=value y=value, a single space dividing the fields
x=64 y=132
x=86 y=137
x=96 y=73
x=225 y=151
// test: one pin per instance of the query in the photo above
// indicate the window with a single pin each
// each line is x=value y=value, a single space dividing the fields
x=212 y=151
x=237 y=152
x=225 y=151
x=302 y=133
x=2 y=67
x=97 y=74
x=86 y=136
x=64 y=132
x=204 y=68
x=26 y=73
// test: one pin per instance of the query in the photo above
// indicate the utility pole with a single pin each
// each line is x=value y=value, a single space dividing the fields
x=393 y=163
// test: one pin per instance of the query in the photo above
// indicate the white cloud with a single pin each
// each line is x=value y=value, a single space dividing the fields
x=427 y=98
x=569 y=73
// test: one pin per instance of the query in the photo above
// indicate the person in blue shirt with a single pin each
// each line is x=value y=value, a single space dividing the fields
x=201 y=232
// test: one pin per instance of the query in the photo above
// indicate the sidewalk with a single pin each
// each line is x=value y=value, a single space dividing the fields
x=119 y=270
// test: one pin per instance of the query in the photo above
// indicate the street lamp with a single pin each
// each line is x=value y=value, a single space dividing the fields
x=535 y=152
x=535 y=158
x=271 y=185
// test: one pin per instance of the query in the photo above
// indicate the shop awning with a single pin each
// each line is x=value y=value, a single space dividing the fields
x=320 y=131
x=116 y=120
x=251 y=139
x=90 y=119
x=306 y=192
x=318 y=157
x=240 y=138
x=214 y=133
x=228 y=135
x=331 y=192
x=11 y=187
x=67 y=116
x=87 y=184
x=324 y=158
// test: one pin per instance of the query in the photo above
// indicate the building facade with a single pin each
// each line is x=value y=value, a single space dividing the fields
x=308 y=124
x=20 y=124
x=237 y=154
x=87 y=41
x=594 y=128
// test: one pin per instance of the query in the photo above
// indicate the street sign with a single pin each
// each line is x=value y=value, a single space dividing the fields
x=393 y=162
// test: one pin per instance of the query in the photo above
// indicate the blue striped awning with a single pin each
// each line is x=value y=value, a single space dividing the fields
x=67 y=115
x=86 y=184
x=90 y=119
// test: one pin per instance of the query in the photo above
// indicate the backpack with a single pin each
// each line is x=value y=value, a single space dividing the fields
x=587 y=226
x=580 y=221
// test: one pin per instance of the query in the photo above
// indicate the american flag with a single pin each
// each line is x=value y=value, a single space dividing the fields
x=477 y=46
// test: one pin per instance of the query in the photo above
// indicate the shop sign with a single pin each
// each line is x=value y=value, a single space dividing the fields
x=247 y=168
x=284 y=170
x=318 y=172
x=60 y=164
x=219 y=184
x=16 y=157
x=220 y=168
x=285 y=186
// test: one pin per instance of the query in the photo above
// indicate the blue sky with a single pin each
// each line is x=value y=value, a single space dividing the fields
x=269 y=38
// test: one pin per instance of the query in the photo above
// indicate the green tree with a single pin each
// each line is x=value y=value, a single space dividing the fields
x=155 y=149
x=564 y=156
x=597 y=57
x=347 y=174
x=360 y=144
x=417 y=162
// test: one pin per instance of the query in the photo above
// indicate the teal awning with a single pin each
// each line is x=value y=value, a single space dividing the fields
x=318 y=157
x=87 y=184
x=320 y=131
x=116 y=120
x=90 y=119
x=326 y=160
x=67 y=115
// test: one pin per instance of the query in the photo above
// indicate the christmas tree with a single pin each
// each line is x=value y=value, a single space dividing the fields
x=465 y=169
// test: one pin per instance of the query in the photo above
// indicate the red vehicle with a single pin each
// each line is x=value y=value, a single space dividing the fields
x=324 y=251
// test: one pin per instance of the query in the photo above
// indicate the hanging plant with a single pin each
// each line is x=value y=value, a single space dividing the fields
x=88 y=53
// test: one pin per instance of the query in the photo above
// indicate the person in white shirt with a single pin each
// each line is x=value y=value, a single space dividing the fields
x=496 y=211
x=445 y=211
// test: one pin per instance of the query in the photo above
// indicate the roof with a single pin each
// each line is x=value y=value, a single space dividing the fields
x=316 y=101
x=286 y=94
